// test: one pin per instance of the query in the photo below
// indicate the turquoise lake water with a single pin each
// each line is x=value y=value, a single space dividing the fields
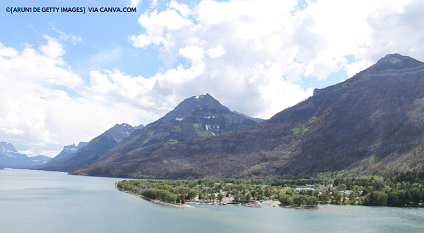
x=39 y=201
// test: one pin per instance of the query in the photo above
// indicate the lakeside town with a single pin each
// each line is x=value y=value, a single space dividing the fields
x=253 y=196
x=404 y=189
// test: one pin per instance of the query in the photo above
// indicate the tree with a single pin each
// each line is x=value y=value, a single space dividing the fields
x=337 y=198
x=173 y=198
x=267 y=191
x=298 y=200
x=325 y=197
x=285 y=199
x=311 y=201
x=248 y=197
x=408 y=197
x=213 y=197
x=416 y=195
x=341 y=187
x=310 y=192
x=220 y=197
x=217 y=187
x=376 y=198
x=192 y=193
x=352 y=199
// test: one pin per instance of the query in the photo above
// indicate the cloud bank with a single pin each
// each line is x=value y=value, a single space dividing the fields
x=250 y=55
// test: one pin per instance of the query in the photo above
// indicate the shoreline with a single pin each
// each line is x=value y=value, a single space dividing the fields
x=184 y=206
x=304 y=207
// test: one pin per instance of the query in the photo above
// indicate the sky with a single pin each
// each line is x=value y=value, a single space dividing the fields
x=67 y=77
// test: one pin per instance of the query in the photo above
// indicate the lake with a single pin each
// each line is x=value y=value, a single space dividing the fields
x=40 y=201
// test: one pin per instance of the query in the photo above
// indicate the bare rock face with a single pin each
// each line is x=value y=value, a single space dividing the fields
x=374 y=121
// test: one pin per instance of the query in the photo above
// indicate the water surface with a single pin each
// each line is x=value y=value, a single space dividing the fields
x=40 y=201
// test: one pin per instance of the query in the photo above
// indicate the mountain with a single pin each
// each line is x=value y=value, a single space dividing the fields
x=257 y=120
x=89 y=153
x=67 y=150
x=197 y=117
x=10 y=157
x=374 y=121
x=40 y=159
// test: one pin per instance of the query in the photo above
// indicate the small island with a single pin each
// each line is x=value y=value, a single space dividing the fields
x=396 y=189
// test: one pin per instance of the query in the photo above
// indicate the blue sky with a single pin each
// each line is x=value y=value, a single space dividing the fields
x=67 y=77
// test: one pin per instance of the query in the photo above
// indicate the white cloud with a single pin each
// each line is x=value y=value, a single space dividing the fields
x=396 y=28
x=66 y=37
x=237 y=51
x=134 y=3
x=167 y=56
x=35 y=111
x=7 y=52
x=53 y=48
x=148 y=96
x=155 y=24
x=182 y=8
x=216 y=51
x=247 y=53
x=192 y=52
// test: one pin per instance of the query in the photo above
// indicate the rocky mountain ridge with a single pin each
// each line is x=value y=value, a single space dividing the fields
x=373 y=120
x=200 y=116
x=67 y=150
x=86 y=154
x=12 y=158
x=195 y=117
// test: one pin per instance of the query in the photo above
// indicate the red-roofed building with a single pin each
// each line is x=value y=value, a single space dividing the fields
x=284 y=190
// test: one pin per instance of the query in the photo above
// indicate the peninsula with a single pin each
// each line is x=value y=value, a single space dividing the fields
x=398 y=189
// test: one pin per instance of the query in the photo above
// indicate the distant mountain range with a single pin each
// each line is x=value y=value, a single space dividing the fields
x=372 y=121
x=84 y=154
x=11 y=158
x=196 y=117
x=67 y=150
